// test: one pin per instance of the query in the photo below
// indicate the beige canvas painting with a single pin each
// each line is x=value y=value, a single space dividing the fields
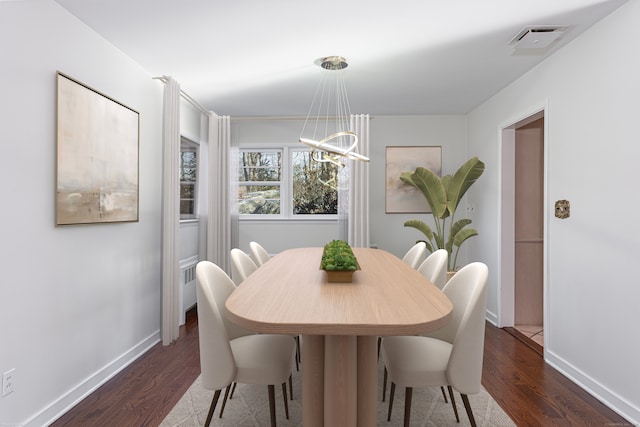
x=401 y=197
x=97 y=157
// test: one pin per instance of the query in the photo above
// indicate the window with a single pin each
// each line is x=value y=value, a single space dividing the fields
x=286 y=183
x=259 y=182
x=188 y=178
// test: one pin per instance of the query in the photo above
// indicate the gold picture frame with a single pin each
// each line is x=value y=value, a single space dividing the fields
x=97 y=149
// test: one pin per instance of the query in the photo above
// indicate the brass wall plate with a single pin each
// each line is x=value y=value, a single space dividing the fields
x=562 y=209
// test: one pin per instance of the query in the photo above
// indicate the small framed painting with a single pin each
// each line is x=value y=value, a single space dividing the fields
x=401 y=197
x=97 y=156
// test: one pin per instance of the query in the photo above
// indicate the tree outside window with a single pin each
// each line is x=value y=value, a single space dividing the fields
x=285 y=183
x=188 y=178
x=314 y=185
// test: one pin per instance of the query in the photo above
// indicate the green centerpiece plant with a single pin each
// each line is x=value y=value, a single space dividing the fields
x=443 y=196
x=338 y=255
x=338 y=261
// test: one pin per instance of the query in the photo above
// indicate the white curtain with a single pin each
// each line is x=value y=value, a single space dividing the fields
x=219 y=227
x=344 y=176
x=203 y=185
x=170 y=212
x=358 y=216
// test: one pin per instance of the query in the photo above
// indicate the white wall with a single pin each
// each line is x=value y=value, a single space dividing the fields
x=77 y=302
x=277 y=236
x=191 y=122
x=591 y=89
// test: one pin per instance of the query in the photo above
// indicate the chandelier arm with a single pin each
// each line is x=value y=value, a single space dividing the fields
x=324 y=146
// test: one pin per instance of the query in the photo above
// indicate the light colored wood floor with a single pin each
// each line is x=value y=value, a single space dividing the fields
x=533 y=332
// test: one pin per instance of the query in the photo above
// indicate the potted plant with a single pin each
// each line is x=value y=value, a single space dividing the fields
x=338 y=261
x=443 y=196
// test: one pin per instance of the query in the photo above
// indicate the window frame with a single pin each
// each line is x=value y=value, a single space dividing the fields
x=286 y=186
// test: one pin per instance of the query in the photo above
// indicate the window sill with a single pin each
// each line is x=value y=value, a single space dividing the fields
x=287 y=220
x=189 y=220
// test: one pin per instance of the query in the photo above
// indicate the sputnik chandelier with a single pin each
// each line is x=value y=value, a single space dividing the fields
x=331 y=105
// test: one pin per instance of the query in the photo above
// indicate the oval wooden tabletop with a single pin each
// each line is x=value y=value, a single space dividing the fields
x=289 y=294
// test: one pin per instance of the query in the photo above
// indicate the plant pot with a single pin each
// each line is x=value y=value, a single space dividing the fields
x=450 y=274
x=340 y=276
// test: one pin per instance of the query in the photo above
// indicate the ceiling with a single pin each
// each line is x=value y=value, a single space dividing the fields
x=256 y=57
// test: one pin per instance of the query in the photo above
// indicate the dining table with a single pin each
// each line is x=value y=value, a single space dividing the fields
x=339 y=322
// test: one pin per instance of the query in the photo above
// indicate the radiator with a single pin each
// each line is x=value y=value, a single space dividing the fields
x=187 y=285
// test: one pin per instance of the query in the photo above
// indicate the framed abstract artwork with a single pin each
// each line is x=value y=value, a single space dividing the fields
x=97 y=156
x=401 y=197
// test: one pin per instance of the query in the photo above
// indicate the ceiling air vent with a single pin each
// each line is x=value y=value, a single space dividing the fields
x=538 y=37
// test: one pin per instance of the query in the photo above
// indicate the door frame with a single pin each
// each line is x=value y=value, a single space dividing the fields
x=506 y=217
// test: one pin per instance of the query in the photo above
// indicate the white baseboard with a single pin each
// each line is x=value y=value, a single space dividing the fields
x=67 y=401
x=615 y=402
x=492 y=318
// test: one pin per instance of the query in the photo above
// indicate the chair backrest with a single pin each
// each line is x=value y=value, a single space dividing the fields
x=241 y=265
x=434 y=267
x=467 y=290
x=415 y=254
x=459 y=293
x=216 y=358
x=259 y=254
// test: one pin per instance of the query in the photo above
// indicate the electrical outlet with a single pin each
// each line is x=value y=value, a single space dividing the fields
x=7 y=382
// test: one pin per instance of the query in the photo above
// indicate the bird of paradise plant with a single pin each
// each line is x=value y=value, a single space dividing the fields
x=443 y=196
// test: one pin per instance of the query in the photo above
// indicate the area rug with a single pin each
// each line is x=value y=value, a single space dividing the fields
x=250 y=407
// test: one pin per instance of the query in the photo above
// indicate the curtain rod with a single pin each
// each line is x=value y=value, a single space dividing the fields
x=186 y=96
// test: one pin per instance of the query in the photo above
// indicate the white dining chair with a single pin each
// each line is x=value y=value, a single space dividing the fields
x=241 y=266
x=434 y=267
x=258 y=253
x=415 y=254
x=451 y=356
x=230 y=354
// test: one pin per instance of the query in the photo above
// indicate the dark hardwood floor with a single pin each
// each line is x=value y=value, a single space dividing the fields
x=144 y=392
x=531 y=392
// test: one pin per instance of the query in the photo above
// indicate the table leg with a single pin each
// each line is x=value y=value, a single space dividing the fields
x=313 y=381
x=367 y=381
x=340 y=381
